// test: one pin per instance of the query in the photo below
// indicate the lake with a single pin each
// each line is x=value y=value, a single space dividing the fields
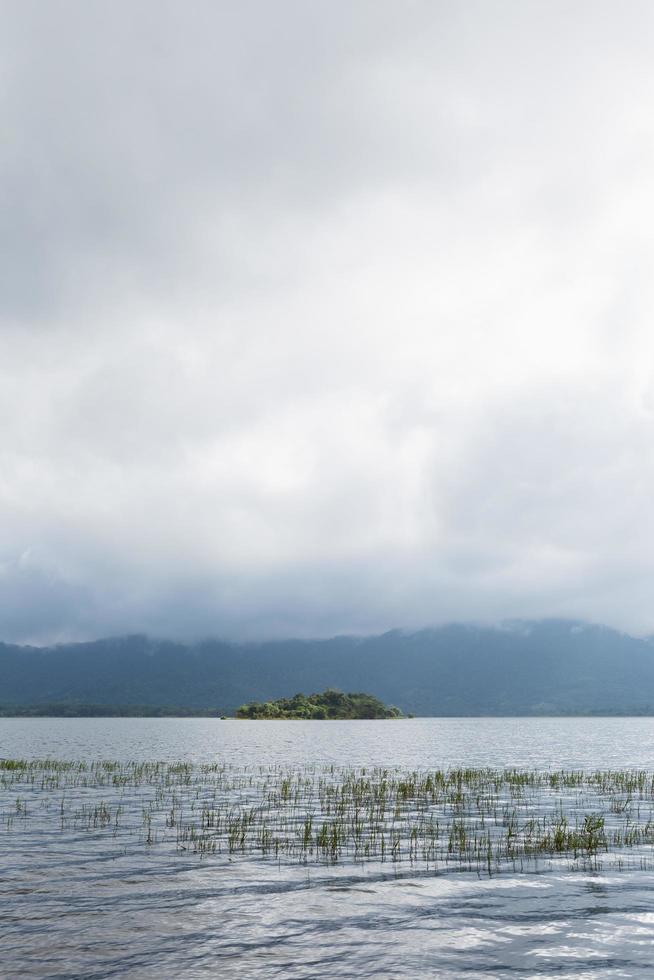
x=92 y=885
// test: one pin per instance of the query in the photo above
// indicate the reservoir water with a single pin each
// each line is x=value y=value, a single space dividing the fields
x=82 y=897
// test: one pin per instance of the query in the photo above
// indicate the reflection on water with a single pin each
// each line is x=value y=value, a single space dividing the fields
x=78 y=904
x=198 y=919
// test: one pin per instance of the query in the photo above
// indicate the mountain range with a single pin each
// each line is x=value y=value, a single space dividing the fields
x=517 y=668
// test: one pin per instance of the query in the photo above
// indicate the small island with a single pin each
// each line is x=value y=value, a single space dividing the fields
x=331 y=704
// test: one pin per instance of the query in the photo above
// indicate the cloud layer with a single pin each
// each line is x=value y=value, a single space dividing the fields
x=324 y=318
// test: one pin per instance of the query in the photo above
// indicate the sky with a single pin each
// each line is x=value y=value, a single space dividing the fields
x=324 y=318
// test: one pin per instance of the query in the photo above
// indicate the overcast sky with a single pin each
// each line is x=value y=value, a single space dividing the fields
x=325 y=317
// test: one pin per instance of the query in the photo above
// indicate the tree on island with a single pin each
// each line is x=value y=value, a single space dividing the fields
x=331 y=704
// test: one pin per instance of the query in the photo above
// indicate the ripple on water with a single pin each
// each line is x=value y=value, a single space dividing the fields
x=73 y=905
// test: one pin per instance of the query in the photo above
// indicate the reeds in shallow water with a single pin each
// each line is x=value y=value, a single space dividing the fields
x=483 y=820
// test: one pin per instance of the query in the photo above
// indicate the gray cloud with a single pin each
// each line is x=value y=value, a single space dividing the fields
x=320 y=318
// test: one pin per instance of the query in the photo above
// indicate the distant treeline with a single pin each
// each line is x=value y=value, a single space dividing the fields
x=68 y=710
x=330 y=704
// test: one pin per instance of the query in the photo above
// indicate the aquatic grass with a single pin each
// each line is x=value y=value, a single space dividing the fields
x=484 y=820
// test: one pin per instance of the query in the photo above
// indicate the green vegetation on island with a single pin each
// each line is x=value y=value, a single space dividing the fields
x=331 y=704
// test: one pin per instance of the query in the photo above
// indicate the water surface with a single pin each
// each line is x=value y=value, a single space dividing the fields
x=542 y=743
x=80 y=903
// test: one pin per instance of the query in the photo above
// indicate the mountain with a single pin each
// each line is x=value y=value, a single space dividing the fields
x=544 y=667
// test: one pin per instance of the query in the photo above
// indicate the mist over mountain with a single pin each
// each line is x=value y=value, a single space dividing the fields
x=521 y=667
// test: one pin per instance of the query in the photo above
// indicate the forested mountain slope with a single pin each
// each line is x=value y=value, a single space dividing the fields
x=547 y=667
